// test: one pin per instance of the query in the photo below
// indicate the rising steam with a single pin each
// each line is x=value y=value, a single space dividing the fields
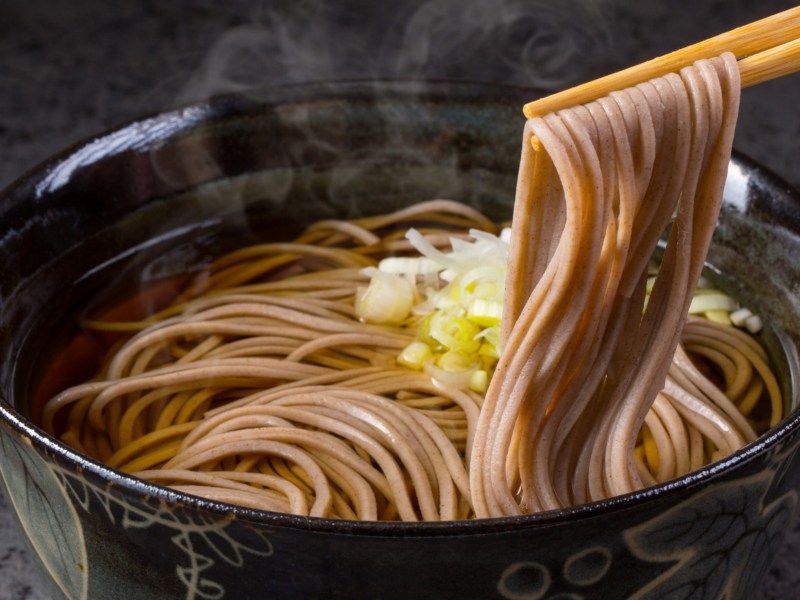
x=538 y=43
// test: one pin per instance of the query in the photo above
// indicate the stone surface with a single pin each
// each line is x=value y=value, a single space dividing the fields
x=71 y=69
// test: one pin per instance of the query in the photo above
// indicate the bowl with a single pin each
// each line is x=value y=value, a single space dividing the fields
x=155 y=197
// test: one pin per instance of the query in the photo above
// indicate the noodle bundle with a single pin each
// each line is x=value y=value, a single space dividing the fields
x=264 y=384
x=561 y=417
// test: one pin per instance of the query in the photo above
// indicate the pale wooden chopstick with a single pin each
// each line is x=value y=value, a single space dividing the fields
x=766 y=49
x=769 y=64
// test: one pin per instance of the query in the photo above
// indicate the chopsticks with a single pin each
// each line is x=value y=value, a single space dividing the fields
x=765 y=49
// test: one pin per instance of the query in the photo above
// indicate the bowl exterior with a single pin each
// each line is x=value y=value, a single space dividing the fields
x=96 y=539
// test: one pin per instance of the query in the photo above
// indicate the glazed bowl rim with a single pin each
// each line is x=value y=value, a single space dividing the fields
x=213 y=108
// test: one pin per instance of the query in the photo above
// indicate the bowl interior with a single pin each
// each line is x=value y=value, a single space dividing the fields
x=160 y=197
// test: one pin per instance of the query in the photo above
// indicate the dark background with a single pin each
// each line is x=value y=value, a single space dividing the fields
x=69 y=69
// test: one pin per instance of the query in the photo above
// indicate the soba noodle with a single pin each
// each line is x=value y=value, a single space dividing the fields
x=608 y=176
x=261 y=386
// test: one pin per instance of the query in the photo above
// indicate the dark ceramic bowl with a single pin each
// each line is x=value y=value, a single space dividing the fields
x=158 y=196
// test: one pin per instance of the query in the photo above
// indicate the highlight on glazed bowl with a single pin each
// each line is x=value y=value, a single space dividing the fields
x=140 y=211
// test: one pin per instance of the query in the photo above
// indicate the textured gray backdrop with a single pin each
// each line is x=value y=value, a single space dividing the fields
x=69 y=69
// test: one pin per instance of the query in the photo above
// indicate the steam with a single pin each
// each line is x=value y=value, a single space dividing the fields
x=540 y=43
x=546 y=44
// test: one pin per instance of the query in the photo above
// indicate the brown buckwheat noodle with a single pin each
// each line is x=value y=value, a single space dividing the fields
x=259 y=386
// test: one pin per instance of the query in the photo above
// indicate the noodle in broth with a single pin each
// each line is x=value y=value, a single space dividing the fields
x=261 y=386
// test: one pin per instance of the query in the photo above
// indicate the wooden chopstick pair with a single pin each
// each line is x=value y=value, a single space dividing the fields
x=765 y=49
